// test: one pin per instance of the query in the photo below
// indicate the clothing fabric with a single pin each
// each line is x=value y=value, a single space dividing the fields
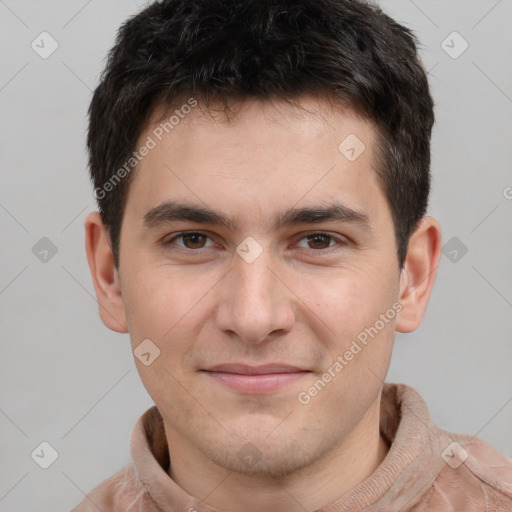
x=426 y=469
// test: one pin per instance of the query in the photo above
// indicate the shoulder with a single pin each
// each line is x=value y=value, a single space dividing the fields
x=475 y=476
x=122 y=492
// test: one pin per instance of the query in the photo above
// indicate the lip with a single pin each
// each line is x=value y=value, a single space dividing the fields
x=254 y=370
x=255 y=379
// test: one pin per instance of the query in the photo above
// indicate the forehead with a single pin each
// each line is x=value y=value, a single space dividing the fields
x=261 y=158
x=256 y=121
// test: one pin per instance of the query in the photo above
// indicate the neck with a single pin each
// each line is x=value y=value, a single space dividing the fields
x=325 y=481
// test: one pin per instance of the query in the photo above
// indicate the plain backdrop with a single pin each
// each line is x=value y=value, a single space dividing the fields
x=67 y=380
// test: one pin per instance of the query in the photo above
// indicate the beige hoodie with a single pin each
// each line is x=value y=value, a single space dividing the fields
x=426 y=469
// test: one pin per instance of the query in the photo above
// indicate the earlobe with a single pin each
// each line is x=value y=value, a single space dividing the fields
x=419 y=272
x=104 y=274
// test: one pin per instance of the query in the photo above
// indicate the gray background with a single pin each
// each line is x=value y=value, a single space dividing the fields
x=67 y=380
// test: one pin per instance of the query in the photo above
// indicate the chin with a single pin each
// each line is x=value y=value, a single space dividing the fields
x=266 y=461
x=264 y=447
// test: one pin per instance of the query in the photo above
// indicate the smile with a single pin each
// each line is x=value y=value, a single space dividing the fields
x=255 y=380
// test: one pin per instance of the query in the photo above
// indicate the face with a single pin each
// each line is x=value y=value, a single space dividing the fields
x=255 y=254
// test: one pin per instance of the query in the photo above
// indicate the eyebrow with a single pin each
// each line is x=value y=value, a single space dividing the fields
x=176 y=211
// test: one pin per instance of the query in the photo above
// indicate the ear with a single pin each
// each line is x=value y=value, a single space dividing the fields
x=104 y=274
x=419 y=273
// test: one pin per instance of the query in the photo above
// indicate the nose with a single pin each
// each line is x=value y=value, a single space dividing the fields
x=254 y=304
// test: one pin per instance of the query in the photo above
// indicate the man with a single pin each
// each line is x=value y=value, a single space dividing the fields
x=262 y=175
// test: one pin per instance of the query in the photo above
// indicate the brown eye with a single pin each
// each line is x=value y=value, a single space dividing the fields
x=194 y=240
x=318 y=241
x=190 y=241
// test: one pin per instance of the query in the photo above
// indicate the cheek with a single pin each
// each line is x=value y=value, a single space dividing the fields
x=345 y=301
x=170 y=307
x=156 y=298
x=350 y=304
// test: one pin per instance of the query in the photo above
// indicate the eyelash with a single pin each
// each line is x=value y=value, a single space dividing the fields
x=339 y=241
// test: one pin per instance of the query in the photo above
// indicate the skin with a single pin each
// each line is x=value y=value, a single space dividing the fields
x=301 y=302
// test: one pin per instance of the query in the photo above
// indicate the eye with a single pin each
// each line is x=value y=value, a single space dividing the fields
x=320 y=241
x=190 y=240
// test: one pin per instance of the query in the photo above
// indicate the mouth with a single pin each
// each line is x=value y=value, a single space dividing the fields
x=255 y=379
